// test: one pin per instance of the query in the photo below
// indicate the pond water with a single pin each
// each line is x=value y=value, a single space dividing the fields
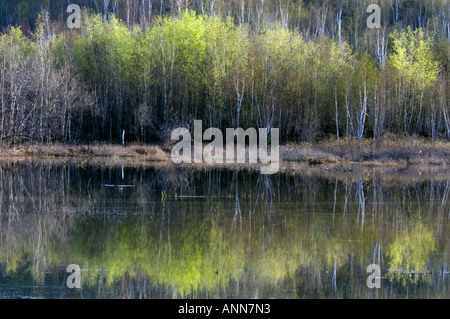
x=184 y=233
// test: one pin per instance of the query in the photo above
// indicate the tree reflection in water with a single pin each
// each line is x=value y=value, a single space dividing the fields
x=218 y=234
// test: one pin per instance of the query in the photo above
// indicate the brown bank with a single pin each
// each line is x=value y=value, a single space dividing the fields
x=389 y=153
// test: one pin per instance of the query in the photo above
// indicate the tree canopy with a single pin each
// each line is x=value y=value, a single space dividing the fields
x=146 y=78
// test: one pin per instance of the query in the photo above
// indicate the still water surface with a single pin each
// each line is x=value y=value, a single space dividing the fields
x=175 y=233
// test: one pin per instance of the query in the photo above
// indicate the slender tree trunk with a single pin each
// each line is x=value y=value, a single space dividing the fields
x=337 y=112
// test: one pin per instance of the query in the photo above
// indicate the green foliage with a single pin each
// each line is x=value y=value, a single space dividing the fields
x=189 y=66
x=413 y=58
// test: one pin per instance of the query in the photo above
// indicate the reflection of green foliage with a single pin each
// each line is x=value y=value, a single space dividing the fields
x=15 y=260
x=276 y=264
x=189 y=258
x=209 y=253
x=199 y=262
x=19 y=256
x=201 y=254
x=336 y=253
x=410 y=251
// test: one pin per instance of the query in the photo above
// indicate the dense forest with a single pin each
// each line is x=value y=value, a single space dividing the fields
x=309 y=67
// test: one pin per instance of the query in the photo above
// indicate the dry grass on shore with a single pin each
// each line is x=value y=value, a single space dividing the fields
x=147 y=152
x=389 y=151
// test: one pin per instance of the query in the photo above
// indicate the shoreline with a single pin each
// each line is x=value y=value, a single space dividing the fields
x=389 y=152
